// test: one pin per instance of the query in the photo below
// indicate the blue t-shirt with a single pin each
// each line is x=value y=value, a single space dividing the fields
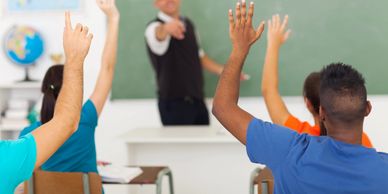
x=17 y=162
x=303 y=164
x=78 y=153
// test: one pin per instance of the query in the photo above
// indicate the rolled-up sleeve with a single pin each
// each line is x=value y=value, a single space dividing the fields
x=157 y=47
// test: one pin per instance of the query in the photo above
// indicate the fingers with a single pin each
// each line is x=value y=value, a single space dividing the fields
x=68 y=20
x=287 y=35
x=90 y=37
x=243 y=12
x=78 y=28
x=231 y=20
x=238 y=15
x=181 y=26
x=250 y=13
x=260 y=30
x=285 y=23
x=85 y=30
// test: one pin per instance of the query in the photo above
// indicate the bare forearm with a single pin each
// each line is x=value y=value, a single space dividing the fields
x=108 y=63
x=53 y=134
x=225 y=105
x=277 y=109
x=229 y=86
x=270 y=72
x=69 y=102
x=211 y=66
x=109 y=55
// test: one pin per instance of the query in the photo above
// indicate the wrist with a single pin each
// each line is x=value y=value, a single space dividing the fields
x=115 y=17
x=240 y=53
x=74 y=63
x=273 y=46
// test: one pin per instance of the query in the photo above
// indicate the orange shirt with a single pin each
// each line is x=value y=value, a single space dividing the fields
x=304 y=127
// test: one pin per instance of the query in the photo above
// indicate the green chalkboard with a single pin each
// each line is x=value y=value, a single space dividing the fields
x=350 y=31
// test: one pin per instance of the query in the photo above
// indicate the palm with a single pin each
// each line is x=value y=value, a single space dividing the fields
x=242 y=33
x=277 y=33
x=108 y=6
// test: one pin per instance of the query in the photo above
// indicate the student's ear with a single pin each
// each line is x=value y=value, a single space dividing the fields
x=368 y=108
x=322 y=114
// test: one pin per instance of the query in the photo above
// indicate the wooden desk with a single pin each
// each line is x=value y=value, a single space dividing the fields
x=205 y=160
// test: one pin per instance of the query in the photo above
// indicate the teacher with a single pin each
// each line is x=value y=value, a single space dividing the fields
x=178 y=59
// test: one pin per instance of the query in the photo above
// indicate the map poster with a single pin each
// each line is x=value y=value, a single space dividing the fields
x=42 y=5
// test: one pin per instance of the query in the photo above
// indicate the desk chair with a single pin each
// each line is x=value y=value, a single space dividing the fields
x=263 y=179
x=152 y=176
x=44 y=182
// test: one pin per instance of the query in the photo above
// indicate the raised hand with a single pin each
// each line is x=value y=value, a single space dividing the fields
x=175 y=28
x=108 y=7
x=241 y=31
x=76 y=42
x=277 y=33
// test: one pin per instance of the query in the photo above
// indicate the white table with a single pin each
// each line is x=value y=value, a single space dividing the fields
x=203 y=160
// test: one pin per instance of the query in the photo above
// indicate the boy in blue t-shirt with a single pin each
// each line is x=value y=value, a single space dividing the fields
x=301 y=164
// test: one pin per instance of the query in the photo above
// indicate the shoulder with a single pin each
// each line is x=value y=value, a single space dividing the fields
x=30 y=128
x=89 y=114
x=384 y=156
x=188 y=20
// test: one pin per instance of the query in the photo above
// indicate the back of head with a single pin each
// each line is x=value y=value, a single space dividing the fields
x=311 y=90
x=51 y=86
x=343 y=94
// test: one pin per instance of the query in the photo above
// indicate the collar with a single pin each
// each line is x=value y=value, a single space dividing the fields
x=164 y=17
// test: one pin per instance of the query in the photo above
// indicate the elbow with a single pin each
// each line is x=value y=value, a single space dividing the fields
x=264 y=91
x=216 y=108
x=267 y=91
x=75 y=123
x=67 y=122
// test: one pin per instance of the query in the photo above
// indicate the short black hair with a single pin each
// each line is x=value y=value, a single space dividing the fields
x=311 y=90
x=343 y=94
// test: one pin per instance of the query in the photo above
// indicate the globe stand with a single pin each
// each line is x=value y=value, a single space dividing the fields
x=27 y=76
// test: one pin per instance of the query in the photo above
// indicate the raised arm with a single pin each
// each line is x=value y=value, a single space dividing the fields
x=50 y=136
x=225 y=104
x=210 y=65
x=277 y=35
x=213 y=67
x=109 y=55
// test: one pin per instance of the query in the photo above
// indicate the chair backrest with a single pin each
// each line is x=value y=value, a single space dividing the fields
x=265 y=182
x=44 y=182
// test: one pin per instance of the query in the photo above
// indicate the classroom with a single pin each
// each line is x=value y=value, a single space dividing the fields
x=193 y=97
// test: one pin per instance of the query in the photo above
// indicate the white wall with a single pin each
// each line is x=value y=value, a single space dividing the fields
x=121 y=116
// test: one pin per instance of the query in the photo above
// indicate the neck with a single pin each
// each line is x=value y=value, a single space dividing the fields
x=175 y=15
x=351 y=134
x=316 y=120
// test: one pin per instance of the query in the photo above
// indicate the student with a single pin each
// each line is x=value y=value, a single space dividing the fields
x=178 y=59
x=275 y=105
x=78 y=153
x=336 y=163
x=19 y=158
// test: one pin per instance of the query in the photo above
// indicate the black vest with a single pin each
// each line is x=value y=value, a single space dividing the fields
x=179 y=71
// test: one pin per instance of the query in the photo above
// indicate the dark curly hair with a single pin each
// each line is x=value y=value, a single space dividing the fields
x=343 y=94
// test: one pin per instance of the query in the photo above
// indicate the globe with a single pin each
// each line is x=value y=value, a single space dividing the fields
x=23 y=46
